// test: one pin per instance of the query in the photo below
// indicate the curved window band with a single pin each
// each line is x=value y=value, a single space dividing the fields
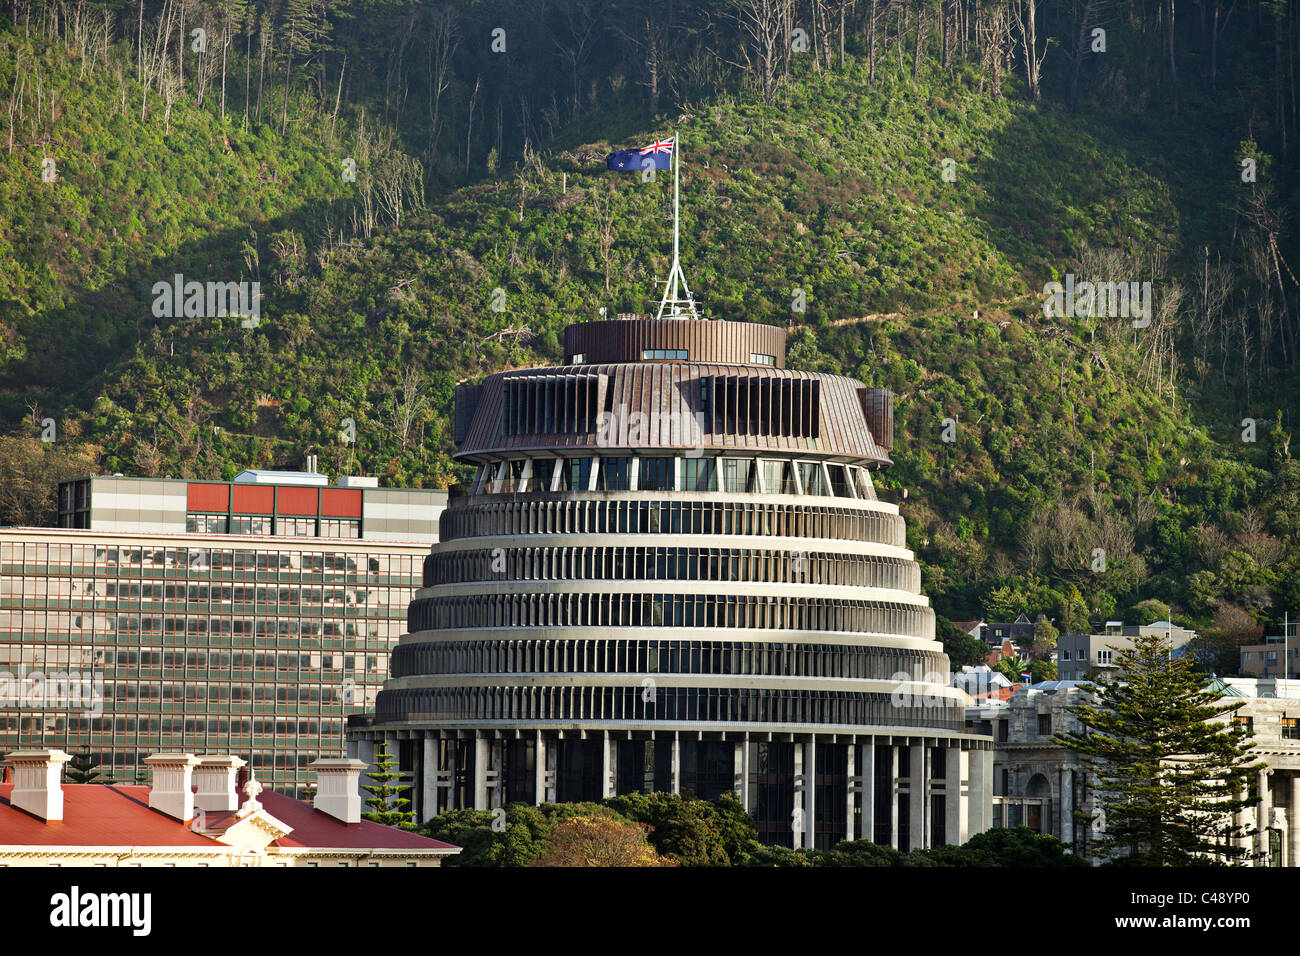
x=670 y=564
x=578 y=609
x=660 y=656
x=631 y=703
x=603 y=516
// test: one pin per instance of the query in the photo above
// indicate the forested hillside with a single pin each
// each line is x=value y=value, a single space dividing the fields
x=910 y=172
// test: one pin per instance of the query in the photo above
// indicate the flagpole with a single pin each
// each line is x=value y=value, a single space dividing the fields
x=677 y=166
x=671 y=305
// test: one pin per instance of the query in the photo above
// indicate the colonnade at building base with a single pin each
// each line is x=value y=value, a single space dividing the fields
x=803 y=789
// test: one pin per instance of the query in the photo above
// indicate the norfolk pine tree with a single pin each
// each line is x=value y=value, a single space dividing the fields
x=1171 y=773
x=387 y=805
x=83 y=767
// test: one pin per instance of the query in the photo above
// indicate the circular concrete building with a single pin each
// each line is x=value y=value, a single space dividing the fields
x=672 y=573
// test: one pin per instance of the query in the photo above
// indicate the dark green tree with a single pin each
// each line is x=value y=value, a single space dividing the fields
x=961 y=648
x=682 y=828
x=1000 y=846
x=1011 y=668
x=1169 y=770
x=386 y=801
x=83 y=767
x=1042 y=670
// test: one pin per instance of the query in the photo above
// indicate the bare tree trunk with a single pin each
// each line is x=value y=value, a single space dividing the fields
x=469 y=125
x=871 y=47
x=180 y=48
x=920 y=39
x=943 y=26
x=842 y=6
x=1214 y=52
x=225 y=44
x=1173 y=66
x=1279 y=99
x=338 y=96
x=1026 y=14
x=266 y=34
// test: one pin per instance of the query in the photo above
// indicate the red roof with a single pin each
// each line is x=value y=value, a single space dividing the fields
x=315 y=828
x=1000 y=693
x=96 y=815
x=119 y=815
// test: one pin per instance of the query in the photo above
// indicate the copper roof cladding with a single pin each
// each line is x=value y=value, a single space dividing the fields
x=665 y=398
x=624 y=340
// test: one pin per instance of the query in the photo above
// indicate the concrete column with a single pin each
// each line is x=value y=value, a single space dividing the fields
x=606 y=766
x=552 y=766
x=492 y=773
x=799 y=818
x=740 y=769
x=539 y=771
x=852 y=784
x=869 y=790
x=428 y=779
x=1263 y=817
x=1067 y=806
x=749 y=790
x=980 y=809
x=450 y=769
x=955 y=795
x=1240 y=821
x=1293 y=823
x=480 y=772
x=677 y=764
x=918 y=832
x=810 y=790
x=894 y=795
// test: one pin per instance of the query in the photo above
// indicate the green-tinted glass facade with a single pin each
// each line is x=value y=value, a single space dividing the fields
x=201 y=644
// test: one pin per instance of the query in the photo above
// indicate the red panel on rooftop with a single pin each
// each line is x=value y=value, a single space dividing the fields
x=208 y=497
x=341 y=502
x=297 y=501
x=254 y=499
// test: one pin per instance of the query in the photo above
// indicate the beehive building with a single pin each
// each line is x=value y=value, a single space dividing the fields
x=672 y=573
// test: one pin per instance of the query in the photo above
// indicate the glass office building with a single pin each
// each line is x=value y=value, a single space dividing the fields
x=248 y=618
x=672 y=573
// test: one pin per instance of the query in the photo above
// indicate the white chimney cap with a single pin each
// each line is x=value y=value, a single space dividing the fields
x=338 y=790
x=170 y=792
x=38 y=787
x=214 y=779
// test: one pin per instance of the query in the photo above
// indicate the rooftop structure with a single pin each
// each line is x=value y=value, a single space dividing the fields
x=261 y=503
x=44 y=822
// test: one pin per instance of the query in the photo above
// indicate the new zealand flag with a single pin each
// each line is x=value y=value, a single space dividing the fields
x=658 y=155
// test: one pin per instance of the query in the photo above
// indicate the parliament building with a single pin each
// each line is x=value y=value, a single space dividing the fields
x=672 y=573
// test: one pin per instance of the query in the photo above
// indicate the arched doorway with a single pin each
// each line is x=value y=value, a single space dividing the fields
x=1039 y=797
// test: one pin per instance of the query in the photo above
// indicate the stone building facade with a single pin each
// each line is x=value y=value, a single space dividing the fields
x=1042 y=785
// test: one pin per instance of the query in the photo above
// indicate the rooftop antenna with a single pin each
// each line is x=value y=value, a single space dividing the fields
x=676 y=303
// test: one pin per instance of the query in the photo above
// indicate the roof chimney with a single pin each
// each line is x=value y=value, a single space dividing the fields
x=214 y=778
x=338 y=791
x=38 y=788
x=171 y=793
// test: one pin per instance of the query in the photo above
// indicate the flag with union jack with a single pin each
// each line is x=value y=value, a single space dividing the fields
x=658 y=155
